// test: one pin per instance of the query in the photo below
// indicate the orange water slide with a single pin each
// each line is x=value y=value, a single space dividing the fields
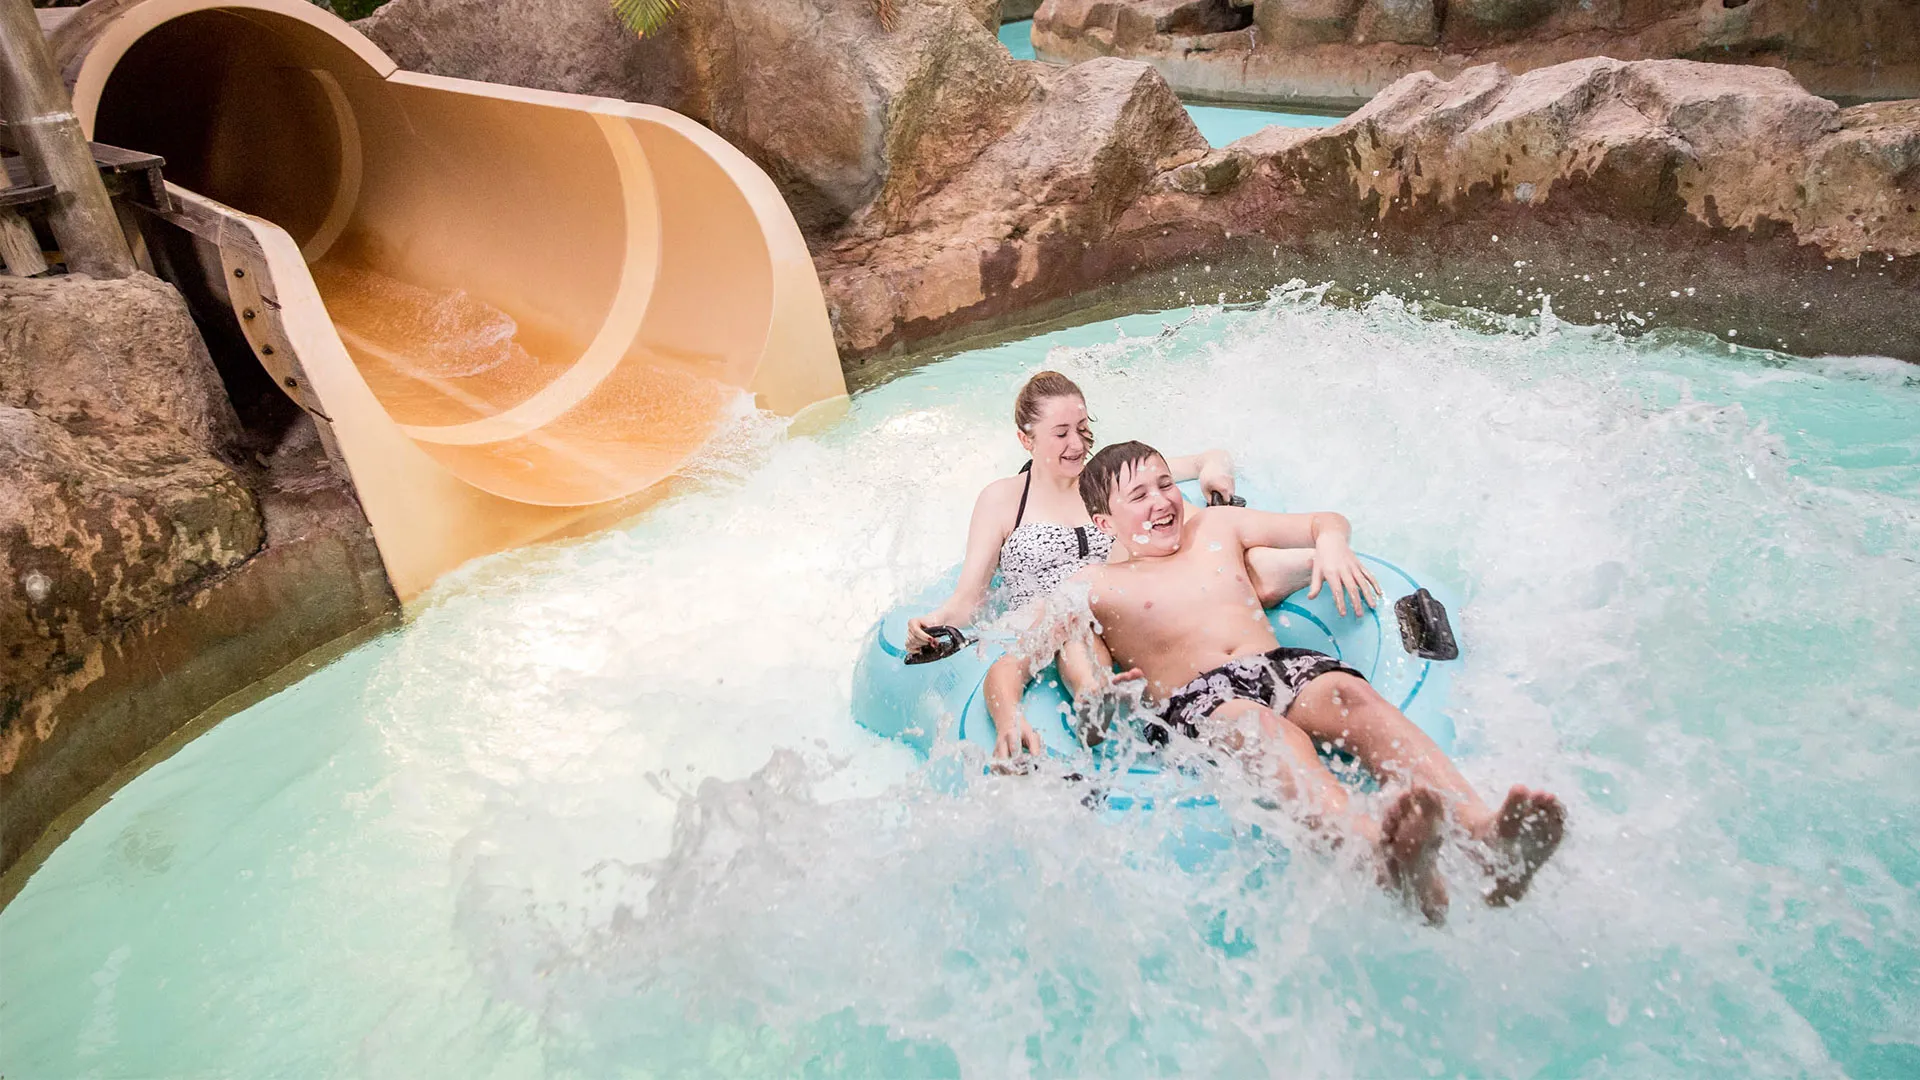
x=504 y=307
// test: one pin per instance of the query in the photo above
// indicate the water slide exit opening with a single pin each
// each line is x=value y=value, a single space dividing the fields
x=503 y=306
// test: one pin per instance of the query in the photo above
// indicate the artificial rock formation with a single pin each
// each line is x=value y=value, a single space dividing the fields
x=91 y=353
x=943 y=184
x=1638 y=194
x=147 y=567
x=1339 y=53
x=572 y=46
x=111 y=421
x=111 y=418
x=1019 y=223
x=843 y=114
x=938 y=179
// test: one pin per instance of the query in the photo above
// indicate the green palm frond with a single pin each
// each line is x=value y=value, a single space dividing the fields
x=644 y=17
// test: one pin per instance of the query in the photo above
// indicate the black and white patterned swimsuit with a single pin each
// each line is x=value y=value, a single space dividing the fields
x=1273 y=679
x=1038 y=556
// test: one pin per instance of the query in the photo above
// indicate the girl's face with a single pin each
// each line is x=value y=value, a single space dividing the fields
x=1060 y=438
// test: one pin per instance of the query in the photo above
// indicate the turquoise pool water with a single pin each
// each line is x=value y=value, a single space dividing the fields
x=599 y=808
x=1221 y=124
x=1018 y=38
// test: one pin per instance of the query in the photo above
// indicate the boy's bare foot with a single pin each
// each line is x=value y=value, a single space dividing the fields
x=1523 y=834
x=1409 y=845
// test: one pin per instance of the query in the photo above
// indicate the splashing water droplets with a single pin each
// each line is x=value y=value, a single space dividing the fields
x=604 y=800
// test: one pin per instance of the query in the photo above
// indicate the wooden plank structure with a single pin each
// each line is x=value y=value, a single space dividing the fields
x=44 y=131
x=19 y=247
x=130 y=177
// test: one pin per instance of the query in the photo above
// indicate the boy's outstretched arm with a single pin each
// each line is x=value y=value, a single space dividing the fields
x=1327 y=533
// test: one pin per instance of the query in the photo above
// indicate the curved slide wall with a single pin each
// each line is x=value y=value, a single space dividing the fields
x=502 y=305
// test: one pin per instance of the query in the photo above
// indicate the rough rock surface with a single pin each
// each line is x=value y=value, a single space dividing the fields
x=1017 y=223
x=100 y=525
x=1339 y=53
x=1640 y=194
x=1736 y=200
x=147 y=571
x=1653 y=141
x=847 y=117
x=83 y=352
x=114 y=501
x=574 y=46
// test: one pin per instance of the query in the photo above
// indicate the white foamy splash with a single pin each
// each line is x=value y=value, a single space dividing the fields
x=601 y=807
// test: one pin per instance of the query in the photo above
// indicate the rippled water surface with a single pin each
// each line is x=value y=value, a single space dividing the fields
x=600 y=810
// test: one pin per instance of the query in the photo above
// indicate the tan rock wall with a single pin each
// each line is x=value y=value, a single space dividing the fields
x=1014 y=226
x=1654 y=193
x=97 y=527
x=81 y=351
x=1737 y=149
x=1339 y=53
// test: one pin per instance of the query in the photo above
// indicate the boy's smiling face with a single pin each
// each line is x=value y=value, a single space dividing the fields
x=1145 y=510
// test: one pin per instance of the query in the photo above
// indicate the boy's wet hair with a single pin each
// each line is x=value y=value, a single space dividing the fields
x=1103 y=471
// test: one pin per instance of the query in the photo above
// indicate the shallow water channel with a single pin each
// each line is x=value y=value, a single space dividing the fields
x=599 y=809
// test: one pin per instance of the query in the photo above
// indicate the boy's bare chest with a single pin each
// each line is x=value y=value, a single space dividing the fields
x=1172 y=592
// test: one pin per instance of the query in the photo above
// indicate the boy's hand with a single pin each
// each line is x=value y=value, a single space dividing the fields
x=1020 y=739
x=1216 y=482
x=1336 y=566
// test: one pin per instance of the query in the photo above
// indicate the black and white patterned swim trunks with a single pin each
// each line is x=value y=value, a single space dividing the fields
x=1273 y=679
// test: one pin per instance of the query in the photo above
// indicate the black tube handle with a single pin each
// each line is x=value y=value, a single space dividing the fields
x=947 y=640
x=1424 y=628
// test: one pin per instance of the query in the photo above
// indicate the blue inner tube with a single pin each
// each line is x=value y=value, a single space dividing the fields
x=918 y=704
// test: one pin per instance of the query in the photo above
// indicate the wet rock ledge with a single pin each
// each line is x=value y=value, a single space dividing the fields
x=156 y=554
x=1339 y=53
x=1653 y=193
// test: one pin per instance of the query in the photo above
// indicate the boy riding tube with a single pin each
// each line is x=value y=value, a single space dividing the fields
x=1176 y=604
x=1033 y=528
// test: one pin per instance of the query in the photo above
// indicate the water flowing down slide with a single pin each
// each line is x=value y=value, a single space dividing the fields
x=504 y=307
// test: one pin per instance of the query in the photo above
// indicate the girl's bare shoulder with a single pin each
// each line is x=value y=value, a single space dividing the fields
x=1005 y=490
